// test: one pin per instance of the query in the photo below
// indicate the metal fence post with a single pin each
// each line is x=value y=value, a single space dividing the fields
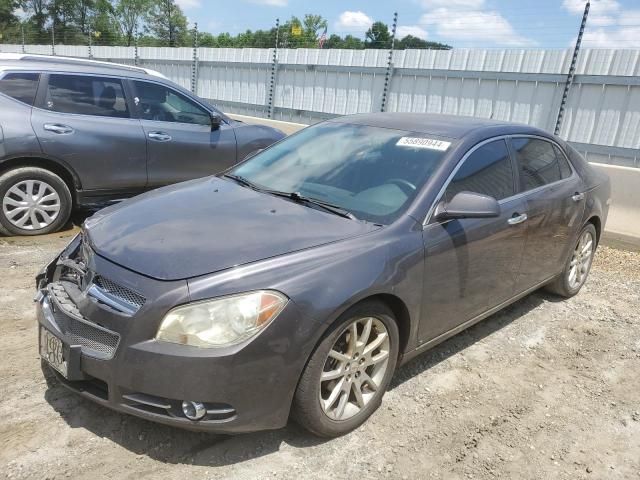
x=389 y=73
x=90 y=52
x=136 y=58
x=53 y=38
x=274 y=66
x=572 y=69
x=24 y=50
x=194 y=61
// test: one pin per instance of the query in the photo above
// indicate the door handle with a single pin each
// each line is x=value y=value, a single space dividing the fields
x=159 y=136
x=516 y=219
x=577 y=197
x=58 y=128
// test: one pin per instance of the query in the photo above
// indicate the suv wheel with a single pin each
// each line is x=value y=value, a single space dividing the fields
x=34 y=201
x=349 y=372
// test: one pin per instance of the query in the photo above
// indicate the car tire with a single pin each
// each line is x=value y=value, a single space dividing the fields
x=577 y=266
x=312 y=407
x=23 y=214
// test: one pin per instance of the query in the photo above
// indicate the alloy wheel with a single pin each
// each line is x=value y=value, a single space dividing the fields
x=581 y=261
x=354 y=369
x=31 y=205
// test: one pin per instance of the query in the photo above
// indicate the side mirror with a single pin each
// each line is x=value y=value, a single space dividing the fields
x=216 y=121
x=468 y=205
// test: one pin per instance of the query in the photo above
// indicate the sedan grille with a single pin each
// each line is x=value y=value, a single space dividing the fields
x=123 y=294
x=95 y=340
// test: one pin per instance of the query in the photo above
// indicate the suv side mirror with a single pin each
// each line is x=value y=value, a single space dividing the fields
x=216 y=121
x=468 y=205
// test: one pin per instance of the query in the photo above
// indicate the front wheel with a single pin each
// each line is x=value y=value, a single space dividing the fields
x=577 y=268
x=349 y=372
x=33 y=201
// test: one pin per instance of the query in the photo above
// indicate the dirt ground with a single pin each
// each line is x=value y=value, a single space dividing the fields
x=545 y=389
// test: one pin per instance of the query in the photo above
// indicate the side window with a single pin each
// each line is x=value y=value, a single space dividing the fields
x=487 y=171
x=163 y=104
x=86 y=95
x=565 y=169
x=21 y=86
x=537 y=162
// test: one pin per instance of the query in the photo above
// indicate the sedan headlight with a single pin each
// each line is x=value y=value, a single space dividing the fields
x=223 y=321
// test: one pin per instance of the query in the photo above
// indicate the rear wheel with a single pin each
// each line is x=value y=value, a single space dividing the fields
x=34 y=201
x=577 y=268
x=349 y=372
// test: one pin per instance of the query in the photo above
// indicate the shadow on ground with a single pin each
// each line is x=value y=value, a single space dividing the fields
x=174 y=446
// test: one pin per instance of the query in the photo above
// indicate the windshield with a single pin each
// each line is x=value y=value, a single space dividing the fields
x=372 y=172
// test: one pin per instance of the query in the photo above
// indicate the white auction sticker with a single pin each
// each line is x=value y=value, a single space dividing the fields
x=429 y=143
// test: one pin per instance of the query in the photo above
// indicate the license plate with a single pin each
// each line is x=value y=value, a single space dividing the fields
x=52 y=351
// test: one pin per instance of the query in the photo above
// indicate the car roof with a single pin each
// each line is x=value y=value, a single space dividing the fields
x=70 y=64
x=450 y=126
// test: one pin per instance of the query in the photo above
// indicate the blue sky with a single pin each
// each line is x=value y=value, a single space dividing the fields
x=461 y=23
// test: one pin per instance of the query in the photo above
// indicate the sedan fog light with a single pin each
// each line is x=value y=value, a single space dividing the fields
x=193 y=410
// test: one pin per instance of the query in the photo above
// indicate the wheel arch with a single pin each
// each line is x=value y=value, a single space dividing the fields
x=597 y=223
x=68 y=176
x=397 y=306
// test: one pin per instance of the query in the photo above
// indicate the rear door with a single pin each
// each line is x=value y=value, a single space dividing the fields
x=471 y=265
x=180 y=142
x=555 y=205
x=86 y=121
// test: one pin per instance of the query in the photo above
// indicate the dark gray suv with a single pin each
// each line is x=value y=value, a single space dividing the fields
x=79 y=133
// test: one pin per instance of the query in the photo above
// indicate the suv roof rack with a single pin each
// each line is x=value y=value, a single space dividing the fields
x=30 y=57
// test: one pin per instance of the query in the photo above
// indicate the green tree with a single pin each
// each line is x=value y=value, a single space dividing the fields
x=378 y=36
x=129 y=15
x=9 y=23
x=353 y=43
x=167 y=23
x=410 y=41
x=313 y=25
x=38 y=11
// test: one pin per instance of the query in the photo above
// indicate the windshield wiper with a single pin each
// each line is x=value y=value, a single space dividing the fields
x=295 y=196
x=243 y=181
x=326 y=206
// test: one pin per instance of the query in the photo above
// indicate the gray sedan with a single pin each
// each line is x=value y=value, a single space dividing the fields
x=296 y=282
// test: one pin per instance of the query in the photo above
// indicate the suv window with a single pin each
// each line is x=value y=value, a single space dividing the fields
x=538 y=163
x=163 y=104
x=86 y=95
x=21 y=86
x=487 y=171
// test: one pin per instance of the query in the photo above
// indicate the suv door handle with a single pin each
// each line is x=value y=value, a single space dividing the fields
x=58 y=128
x=516 y=219
x=159 y=136
x=577 y=197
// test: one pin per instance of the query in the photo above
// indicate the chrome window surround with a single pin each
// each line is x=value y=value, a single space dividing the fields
x=520 y=194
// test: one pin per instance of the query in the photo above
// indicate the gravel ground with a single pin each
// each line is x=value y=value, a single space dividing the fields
x=547 y=388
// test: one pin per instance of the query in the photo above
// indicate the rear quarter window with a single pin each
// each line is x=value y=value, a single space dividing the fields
x=20 y=86
x=537 y=162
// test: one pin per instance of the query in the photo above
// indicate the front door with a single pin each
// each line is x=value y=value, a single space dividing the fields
x=85 y=121
x=471 y=265
x=181 y=144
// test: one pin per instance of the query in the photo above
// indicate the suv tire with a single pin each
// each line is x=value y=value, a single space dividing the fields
x=33 y=201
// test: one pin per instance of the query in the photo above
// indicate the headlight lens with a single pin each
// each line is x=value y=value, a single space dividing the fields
x=223 y=321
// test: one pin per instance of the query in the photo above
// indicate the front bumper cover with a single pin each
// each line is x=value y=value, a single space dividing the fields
x=245 y=387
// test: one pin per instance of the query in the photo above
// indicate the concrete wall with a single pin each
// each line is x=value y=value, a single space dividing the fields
x=624 y=214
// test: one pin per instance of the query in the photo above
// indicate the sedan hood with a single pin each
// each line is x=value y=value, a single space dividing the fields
x=206 y=225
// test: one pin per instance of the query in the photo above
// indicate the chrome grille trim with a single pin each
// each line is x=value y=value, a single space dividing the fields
x=116 y=296
x=96 y=341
